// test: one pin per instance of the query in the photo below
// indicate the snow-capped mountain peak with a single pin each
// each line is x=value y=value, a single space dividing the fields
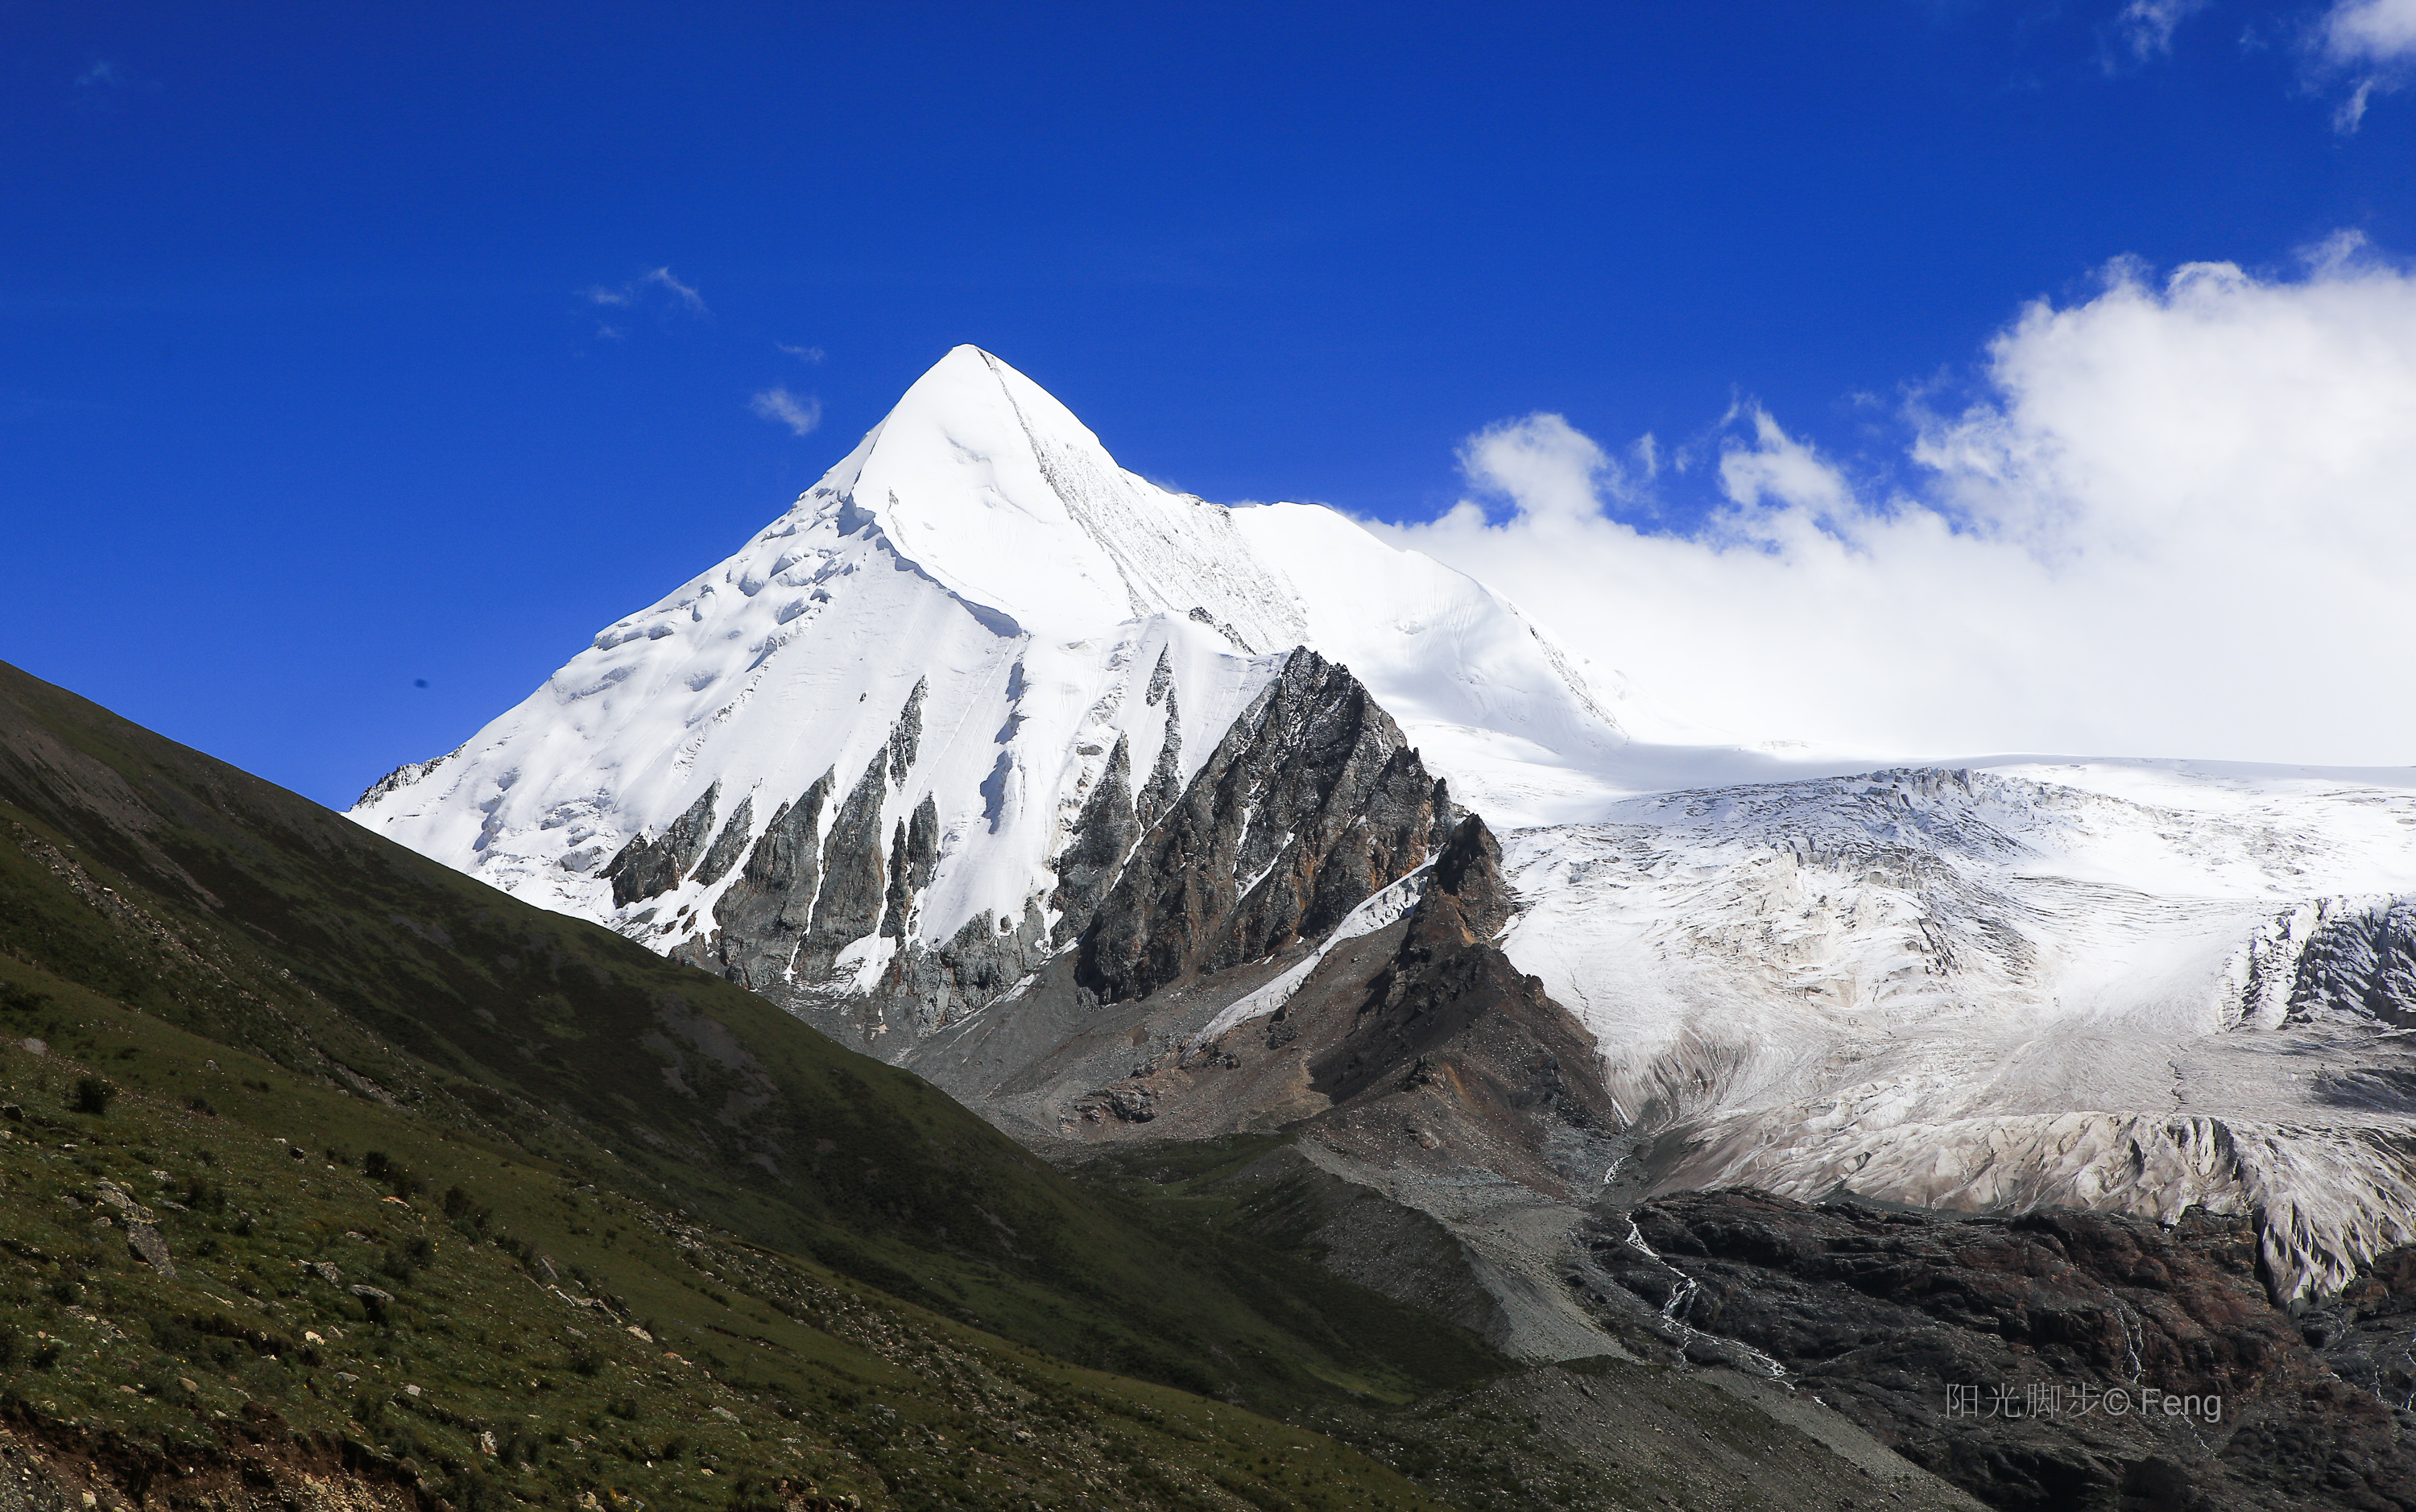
x=983 y=481
x=945 y=648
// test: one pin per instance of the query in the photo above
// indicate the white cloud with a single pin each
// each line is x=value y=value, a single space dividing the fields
x=2181 y=523
x=799 y=412
x=2374 y=41
x=2147 y=25
x=801 y=354
x=2370 y=31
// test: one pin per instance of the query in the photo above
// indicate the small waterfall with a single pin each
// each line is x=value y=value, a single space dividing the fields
x=2132 y=1333
x=1682 y=1296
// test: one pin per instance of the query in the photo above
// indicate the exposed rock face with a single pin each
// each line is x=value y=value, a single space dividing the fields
x=647 y=867
x=2362 y=964
x=1416 y=1041
x=729 y=844
x=766 y=911
x=913 y=851
x=2367 y=1333
x=929 y=986
x=1312 y=796
x=1468 y=871
x=1450 y=1006
x=1882 y=1313
x=1103 y=834
x=906 y=735
x=854 y=880
x=1166 y=776
x=1311 y=802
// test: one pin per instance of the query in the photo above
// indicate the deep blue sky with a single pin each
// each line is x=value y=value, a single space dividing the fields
x=304 y=400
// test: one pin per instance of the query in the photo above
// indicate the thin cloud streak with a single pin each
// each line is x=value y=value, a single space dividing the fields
x=622 y=295
x=687 y=296
x=801 y=413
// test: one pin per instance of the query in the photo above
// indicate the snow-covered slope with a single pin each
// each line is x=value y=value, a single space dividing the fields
x=2093 y=984
x=867 y=762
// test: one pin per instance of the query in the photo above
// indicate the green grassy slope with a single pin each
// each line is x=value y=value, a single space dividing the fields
x=551 y=1339
x=160 y=910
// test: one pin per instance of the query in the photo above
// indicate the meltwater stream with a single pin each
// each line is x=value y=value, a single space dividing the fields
x=1673 y=1311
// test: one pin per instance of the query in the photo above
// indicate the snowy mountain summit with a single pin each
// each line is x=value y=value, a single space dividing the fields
x=960 y=632
x=986 y=745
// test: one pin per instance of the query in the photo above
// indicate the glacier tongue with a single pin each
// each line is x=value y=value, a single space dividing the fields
x=882 y=762
x=2128 y=984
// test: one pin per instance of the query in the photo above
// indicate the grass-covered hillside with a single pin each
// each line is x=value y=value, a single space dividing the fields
x=300 y=1046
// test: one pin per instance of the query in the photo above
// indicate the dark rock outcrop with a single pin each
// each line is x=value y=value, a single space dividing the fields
x=1993 y=1351
x=913 y=850
x=2367 y=1333
x=1165 y=774
x=933 y=985
x=899 y=902
x=906 y=735
x=854 y=877
x=729 y=846
x=764 y=914
x=144 y=1240
x=1103 y=832
x=2362 y=964
x=1451 y=1006
x=1310 y=802
x=647 y=867
x=1455 y=1015
x=1468 y=871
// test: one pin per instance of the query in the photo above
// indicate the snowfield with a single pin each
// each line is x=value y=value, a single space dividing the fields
x=1985 y=983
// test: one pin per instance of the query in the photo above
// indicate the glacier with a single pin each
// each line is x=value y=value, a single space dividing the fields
x=882 y=762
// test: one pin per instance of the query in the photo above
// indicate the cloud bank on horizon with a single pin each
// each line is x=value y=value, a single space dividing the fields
x=2179 y=522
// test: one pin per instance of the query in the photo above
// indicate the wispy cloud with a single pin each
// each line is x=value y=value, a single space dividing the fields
x=683 y=293
x=103 y=74
x=2172 y=525
x=2371 y=43
x=2147 y=27
x=801 y=354
x=680 y=295
x=800 y=412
